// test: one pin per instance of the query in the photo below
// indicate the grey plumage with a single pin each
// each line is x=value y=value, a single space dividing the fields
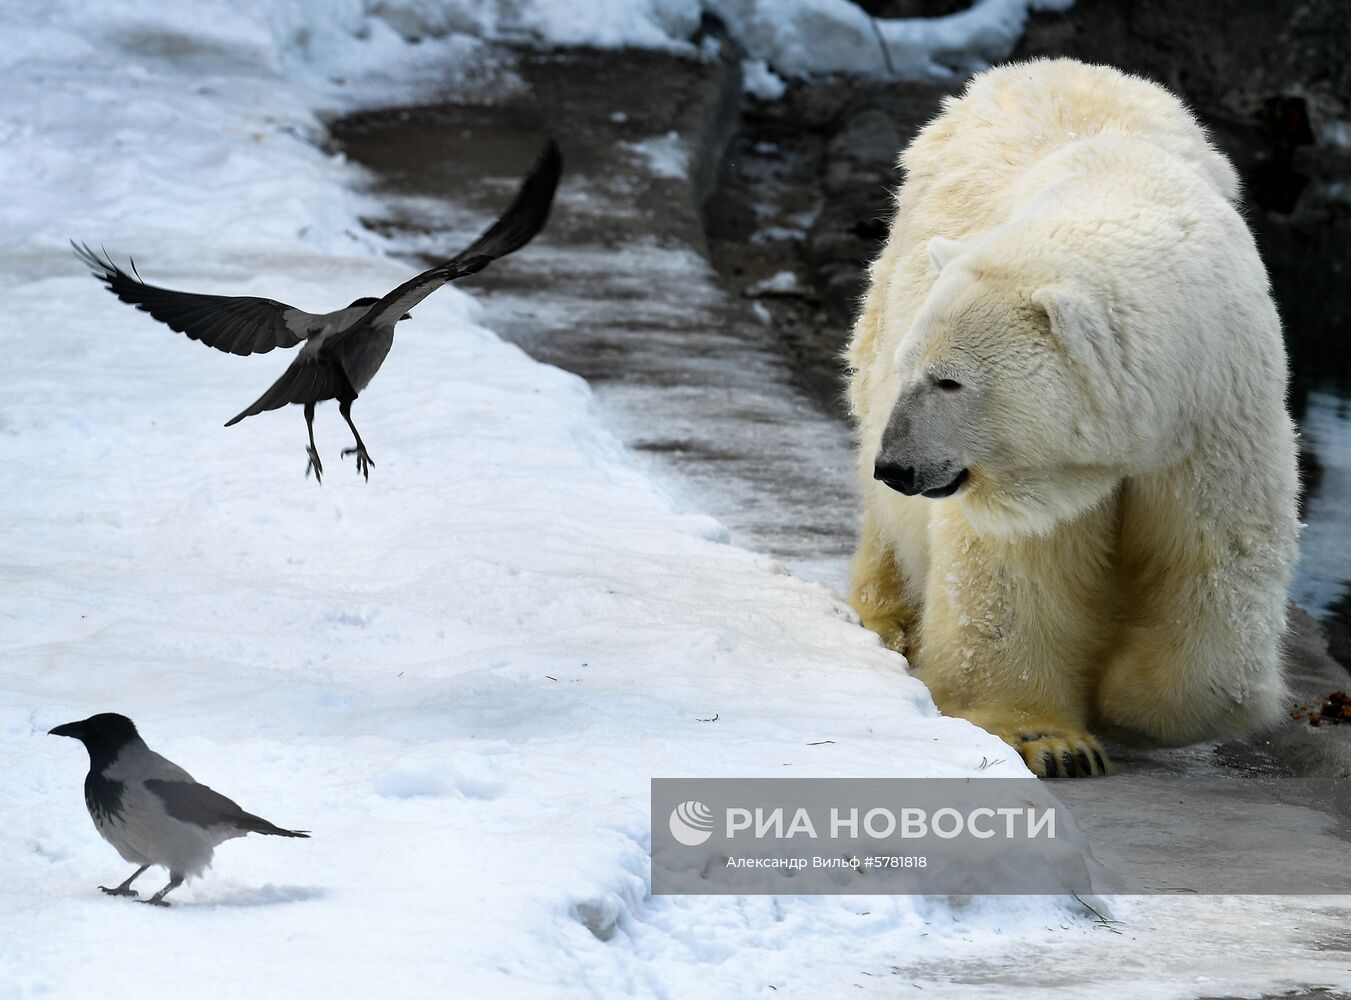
x=150 y=809
x=343 y=349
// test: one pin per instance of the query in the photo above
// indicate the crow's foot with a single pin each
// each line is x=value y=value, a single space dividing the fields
x=315 y=466
x=364 y=462
x=155 y=901
x=120 y=890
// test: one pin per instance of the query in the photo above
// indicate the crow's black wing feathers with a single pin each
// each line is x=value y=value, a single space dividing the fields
x=306 y=380
x=515 y=228
x=236 y=324
x=518 y=225
x=190 y=802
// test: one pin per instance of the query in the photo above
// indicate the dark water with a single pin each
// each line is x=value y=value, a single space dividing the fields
x=1299 y=206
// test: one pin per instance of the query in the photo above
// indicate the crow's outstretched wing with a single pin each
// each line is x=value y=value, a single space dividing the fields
x=515 y=228
x=236 y=324
x=524 y=218
x=308 y=379
x=191 y=802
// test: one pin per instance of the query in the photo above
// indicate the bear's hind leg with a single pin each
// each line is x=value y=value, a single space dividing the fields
x=1190 y=669
x=1199 y=656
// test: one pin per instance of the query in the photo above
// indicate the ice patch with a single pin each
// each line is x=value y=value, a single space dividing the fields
x=663 y=156
x=782 y=283
x=775 y=234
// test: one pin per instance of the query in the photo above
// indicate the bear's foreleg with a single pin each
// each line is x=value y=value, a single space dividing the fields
x=1012 y=631
x=877 y=589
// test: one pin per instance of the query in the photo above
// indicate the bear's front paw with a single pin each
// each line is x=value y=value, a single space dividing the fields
x=1058 y=753
x=1050 y=749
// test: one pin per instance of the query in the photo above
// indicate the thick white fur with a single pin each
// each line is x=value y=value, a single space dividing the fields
x=1066 y=242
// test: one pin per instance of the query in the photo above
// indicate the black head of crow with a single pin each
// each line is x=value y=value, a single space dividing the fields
x=344 y=349
x=150 y=809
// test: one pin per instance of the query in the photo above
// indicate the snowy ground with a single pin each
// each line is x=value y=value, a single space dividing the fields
x=460 y=676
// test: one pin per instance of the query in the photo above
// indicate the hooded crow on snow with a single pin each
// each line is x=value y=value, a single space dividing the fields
x=342 y=349
x=150 y=809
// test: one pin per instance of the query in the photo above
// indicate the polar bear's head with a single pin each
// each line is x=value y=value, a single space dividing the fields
x=1001 y=402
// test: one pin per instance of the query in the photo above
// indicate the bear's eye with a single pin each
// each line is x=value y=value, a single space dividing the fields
x=948 y=384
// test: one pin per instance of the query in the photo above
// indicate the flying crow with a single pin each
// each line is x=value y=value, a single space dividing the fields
x=344 y=349
x=150 y=809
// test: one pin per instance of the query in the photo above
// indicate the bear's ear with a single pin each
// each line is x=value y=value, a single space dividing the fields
x=1061 y=308
x=1079 y=325
x=942 y=250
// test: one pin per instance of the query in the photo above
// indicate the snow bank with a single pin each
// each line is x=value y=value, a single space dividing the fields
x=460 y=676
x=807 y=37
x=336 y=42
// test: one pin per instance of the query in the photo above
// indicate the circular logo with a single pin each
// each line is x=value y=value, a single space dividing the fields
x=691 y=823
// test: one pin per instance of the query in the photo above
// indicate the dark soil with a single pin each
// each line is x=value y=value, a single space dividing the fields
x=1335 y=709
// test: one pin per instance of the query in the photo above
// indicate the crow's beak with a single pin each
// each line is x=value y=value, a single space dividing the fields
x=71 y=729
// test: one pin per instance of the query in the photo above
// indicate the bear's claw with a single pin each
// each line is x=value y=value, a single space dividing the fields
x=1061 y=755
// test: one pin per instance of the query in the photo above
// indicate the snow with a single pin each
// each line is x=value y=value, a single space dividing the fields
x=760 y=81
x=779 y=283
x=808 y=37
x=664 y=156
x=461 y=676
x=338 y=44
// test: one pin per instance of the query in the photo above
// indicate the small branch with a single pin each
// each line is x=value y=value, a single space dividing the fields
x=1101 y=919
x=882 y=44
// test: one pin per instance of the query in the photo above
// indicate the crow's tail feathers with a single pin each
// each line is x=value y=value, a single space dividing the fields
x=306 y=380
x=256 y=824
x=276 y=831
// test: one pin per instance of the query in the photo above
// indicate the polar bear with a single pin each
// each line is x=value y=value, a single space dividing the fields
x=1068 y=383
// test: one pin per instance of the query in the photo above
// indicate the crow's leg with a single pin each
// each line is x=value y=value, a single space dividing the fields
x=125 y=888
x=315 y=466
x=175 y=880
x=364 y=462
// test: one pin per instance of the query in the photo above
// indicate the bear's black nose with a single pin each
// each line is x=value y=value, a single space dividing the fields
x=900 y=478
